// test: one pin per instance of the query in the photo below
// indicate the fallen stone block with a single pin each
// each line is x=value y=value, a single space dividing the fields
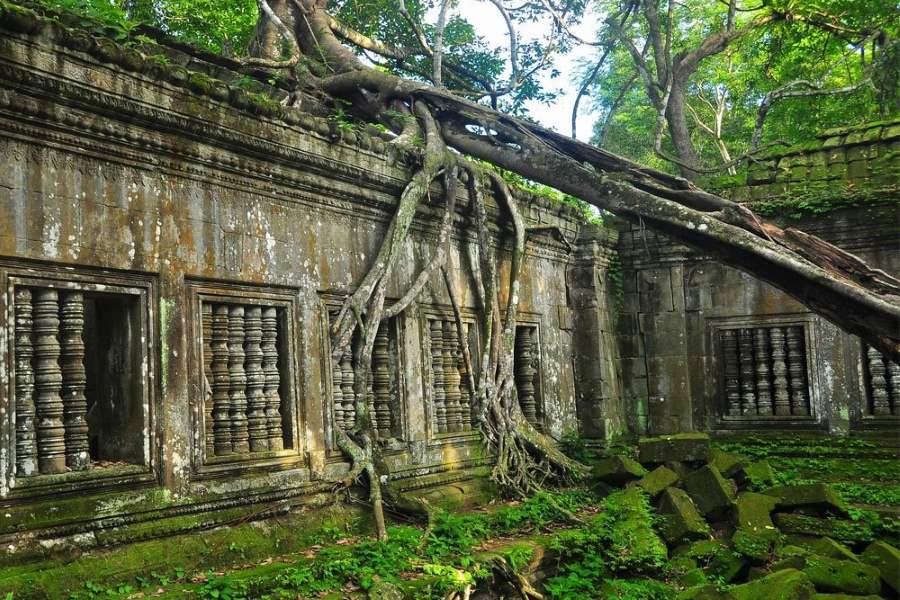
x=838 y=529
x=712 y=493
x=657 y=480
x=756 y=476
x=887 y=559
x=832 y=549
x=849 y=576
x=755 y=510
x=704 y=592
x=618 y=470
x=681 y=447
x=756 y=535
x=789 y=584
x=816 y=496
x=844 y=597
x=728 y=463
x=681 y=520
x=718 y=559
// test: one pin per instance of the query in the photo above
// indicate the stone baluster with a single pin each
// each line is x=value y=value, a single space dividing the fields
x=451 y=377
x=732 y=372
x=347 y=394
x=877 y=371
x=337 y=400
x=465 y=392
x=206 y=318
x=437 y=374
x=257 y=427
x=763 y=381
x=51 y=432
x=74 y=380
x=779 y=372
x=524 y=374
x=238 y=380
x=797 y=372
x=271 y=378
x=748 y=374
x=893 y=371
x=26 y=450
x=221 y=381
x=381 y=383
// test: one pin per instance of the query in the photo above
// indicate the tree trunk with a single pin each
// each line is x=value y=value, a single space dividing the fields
x=679 y=131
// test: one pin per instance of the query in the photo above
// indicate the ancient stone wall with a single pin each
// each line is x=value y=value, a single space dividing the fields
x=172 y=248
x=707 y=347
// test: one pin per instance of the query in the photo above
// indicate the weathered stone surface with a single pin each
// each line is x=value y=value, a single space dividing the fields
x=838 y=529
x=683 y=447
x=728 y=463
x=832 y=549
x=833 y=575
x=657 y=480
x=680 y=518
x=704 y=592
x=712 y=493
x=886 y=559
x=618 y=470
x=382 y=590
x=758 y=475
x=789 y=584
x=844 y=597
x=756 y=534
x=716 y=557
x=816 y=496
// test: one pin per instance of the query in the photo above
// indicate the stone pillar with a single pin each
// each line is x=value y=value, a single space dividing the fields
x=599 y=402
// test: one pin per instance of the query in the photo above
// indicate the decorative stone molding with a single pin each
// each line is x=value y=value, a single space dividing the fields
x=451 y=397
x=882 y=384
x=527 y=374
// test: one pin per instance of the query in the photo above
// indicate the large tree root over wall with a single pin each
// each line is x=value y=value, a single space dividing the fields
x=831 y=282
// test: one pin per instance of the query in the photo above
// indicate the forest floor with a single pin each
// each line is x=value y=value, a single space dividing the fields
x=612 y=538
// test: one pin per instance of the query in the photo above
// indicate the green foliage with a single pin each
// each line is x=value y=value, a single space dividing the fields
x=575 y=447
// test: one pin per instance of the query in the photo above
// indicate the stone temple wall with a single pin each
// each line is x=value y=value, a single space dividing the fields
x=172 y=247
x=705 y=347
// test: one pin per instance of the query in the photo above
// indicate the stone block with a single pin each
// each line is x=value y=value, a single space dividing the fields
x=789 y=584
x=832 y=549
x=617 y=470
x=681 y=519
x=680 y=447
x=708 y=591
x=833 y=575
x=887 y=559
x=757 y=475
x=712 y=493
x=756 y=535
x=844 y=597
x=817 y=496
x=728 y=463
x=718 y=559
x=838 y=529
x=657 y=480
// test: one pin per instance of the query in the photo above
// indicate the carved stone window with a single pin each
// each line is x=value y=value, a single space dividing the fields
x=764 y=371
x=247 y=409
x=451 y=394
x=882 y=384
x=382 y=387
x=81 y=372
x=526 y=367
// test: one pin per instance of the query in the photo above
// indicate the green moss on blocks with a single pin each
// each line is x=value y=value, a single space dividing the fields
x=727 y=463
x=656 y=481
x=816 y=496
x=682 y=447
x=680 y=518
x=887 y=559
x=844 y=597
x=617 y=470
x=757 y=475
x=838 y=529
x=832 y=549
x=832 y=575
x=704 y=592
x=756 y=535
x=712 y=493
x=718 y=560
x=789 y=584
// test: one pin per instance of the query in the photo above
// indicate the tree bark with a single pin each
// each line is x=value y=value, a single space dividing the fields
x=679 y=132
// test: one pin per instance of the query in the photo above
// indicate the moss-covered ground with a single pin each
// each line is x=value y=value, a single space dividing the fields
x=574 y=544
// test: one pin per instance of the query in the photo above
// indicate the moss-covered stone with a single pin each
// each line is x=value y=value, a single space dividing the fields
x=844 y=597
x=715 y=557
x=617 y=470
x=680 y=518
x=816 y=496
x=757 y=475
x=682 y=447
x=727 y=463
x=838 y=529
x=886 y=559
x=382 y=590
x=833 y=575
x=789 y=584
x=832 y=549
x=712 y=493
x=756 y=535
x=657 y=480
x=704 y=592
